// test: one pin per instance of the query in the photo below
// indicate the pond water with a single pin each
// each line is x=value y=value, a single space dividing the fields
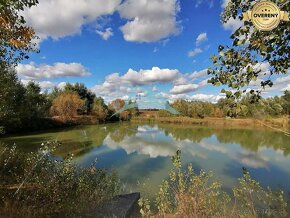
x=140 y=153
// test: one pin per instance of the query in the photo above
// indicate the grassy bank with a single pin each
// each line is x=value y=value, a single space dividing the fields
x=282 y=122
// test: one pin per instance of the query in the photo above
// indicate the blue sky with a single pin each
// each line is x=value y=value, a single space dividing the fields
x=157 y=48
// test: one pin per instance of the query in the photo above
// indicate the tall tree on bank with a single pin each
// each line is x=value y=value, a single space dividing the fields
x=12 y=94
x=15 y=42
x=239 y=64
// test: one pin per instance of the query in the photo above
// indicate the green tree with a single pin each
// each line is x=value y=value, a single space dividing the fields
x=182 y=106
x=12 y=94
x=237 y=65
x=286 y=102
x=35 y=107
x=100 y=109
x=273 y=106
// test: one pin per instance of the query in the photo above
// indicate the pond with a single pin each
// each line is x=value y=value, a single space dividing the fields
x=140 y=153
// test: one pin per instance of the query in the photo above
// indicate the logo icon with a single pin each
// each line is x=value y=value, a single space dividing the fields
x=266 y=15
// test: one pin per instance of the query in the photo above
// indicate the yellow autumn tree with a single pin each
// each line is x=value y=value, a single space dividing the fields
x=66 y=106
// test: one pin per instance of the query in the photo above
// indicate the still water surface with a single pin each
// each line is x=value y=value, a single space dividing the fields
x=141 y=153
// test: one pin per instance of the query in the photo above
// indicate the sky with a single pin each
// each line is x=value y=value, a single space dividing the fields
x=156 y=49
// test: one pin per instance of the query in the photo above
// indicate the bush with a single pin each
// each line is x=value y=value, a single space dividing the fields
x=67 y=105
x=38 y=185
x=186 y=194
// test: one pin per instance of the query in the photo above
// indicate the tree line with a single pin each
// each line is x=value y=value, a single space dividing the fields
x=229 y=107
x=26 y=107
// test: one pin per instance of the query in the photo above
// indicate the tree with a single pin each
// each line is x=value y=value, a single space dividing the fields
x=238 y=65
x=12 y=94
x=100 y=109
x=66 y=105
x=84 y=94
x=286 y=102
x=133 y=111
x=116 y=105
x=15 y=38
x=36 y=105
x=182 y=107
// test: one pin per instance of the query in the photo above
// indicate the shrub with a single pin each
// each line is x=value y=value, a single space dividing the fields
x=39 y=185
x=186 y=194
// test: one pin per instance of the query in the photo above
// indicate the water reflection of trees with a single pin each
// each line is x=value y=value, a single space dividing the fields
x=119 y=132
x=193 y=133
x=81 y=140
x=250 y=139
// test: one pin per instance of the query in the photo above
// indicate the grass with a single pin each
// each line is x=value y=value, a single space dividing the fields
x=211 y=121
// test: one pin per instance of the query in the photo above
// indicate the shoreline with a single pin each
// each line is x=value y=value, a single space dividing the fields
x=282 y=122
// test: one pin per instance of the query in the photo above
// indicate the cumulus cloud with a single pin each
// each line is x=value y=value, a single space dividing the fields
x=280 y=84
x=198 y=74
x=33 y=71
x=116 y=85
x=149 y=20
x=105 y=34
x=179 y=89
x=45 y=85
x=196 y=97
x=201 y=38
x=233 y=24
x=60 y=18
x=194 y=52
x=150 y=76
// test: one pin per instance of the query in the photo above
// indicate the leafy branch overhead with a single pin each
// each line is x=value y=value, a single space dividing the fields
x=16 y=38
x=238 y=65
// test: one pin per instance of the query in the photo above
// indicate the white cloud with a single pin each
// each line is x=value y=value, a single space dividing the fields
x=45 y=85
x=198 y=74
x=105 y=34
x=280 y=84
x=233 y=24
x=60 y=18
x=194 y=52
x=206 y=97
x=186 y=88
x=149 y=20
x=225 y=3
x=196 y=97
x=201 y=38
x=286 y=88
x=116 y=85
x=180 y=89
x=150 y=76
x=32 y=71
